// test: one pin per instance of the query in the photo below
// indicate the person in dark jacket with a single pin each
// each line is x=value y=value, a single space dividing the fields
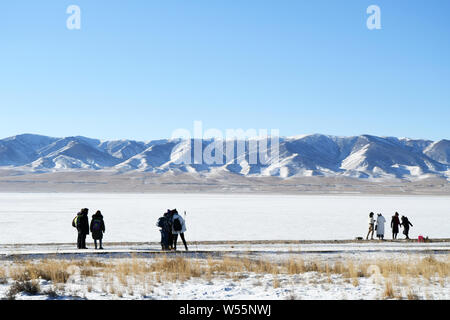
x=169 y=216
x=82 y=225
x=395 y=223
x=165 y=225
x=405 y=224
x=97 y=228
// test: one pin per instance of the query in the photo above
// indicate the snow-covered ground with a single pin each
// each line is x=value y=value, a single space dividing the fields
x=47 y=217
x=308 y=286
x=242 y=285
x=37 y=227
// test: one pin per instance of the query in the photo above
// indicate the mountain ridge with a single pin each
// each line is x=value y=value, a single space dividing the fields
x=364 y=156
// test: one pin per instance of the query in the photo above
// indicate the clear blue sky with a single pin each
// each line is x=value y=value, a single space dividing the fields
x=141 y=69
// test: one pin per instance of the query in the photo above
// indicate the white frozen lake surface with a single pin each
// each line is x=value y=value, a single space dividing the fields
x=47 y=217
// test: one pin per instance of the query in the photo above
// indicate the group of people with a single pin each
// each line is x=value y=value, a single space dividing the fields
x=171 y=225
x=378 y=226
x=97 y=228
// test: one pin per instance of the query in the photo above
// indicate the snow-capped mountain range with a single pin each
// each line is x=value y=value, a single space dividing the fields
x=362 y=156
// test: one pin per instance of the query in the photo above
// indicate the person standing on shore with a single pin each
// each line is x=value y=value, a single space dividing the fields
x=97 y=228
x=405 y=224
x=178 y=228
x=371 y=226
x=165 y=225
x=395 y=223
x=169 y=216
x=380 y=226
x=81 y=222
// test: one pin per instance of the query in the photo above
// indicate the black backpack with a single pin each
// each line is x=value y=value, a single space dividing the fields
x=177 y=225
x=161 y=222
x=96 y=225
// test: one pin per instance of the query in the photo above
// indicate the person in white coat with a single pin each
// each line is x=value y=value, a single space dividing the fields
x=380 y=226
x=178 y=228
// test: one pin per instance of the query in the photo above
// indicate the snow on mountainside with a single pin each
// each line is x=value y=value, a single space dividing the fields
x=22 y=149
x=439 y=151
x=362 y=156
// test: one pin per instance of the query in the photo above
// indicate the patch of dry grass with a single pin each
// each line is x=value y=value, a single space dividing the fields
x=50 y=270
x=388 y=292
x=132 y=273
x=30 y=287
x=411 y=295
x=428 y=268
x=3 y=276
x=179 y=268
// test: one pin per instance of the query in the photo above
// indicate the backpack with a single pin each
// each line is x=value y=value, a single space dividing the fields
x=177 y=225
x=75 y=221
x=162 y=222
x=96 y=225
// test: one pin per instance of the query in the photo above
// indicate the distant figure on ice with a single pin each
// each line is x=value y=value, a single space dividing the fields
x=371 y=226
x=165 y=225
x=178 y=228
x=405 y=224
x=81 y=222
x=380 y=226
x=395 y=222
x=97 y=228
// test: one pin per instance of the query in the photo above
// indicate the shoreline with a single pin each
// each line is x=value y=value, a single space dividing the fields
x=222 y=192
x=243 y=242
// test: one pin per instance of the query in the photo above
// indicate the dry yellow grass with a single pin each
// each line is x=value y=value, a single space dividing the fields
x=55 y=271
x=3 y=276
x=411 y=295
x=276 y=283
x=148 y=273
x=388 y=290
x=426 y=267
x=183 y=269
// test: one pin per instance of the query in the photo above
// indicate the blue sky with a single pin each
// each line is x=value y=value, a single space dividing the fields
x=141 y=69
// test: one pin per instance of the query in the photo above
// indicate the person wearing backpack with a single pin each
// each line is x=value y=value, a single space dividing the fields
x=81 y=222
x=97 y=228
x=178 y=228
x=165 y=225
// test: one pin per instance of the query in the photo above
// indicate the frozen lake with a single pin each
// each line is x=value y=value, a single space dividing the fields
x=47 y=217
